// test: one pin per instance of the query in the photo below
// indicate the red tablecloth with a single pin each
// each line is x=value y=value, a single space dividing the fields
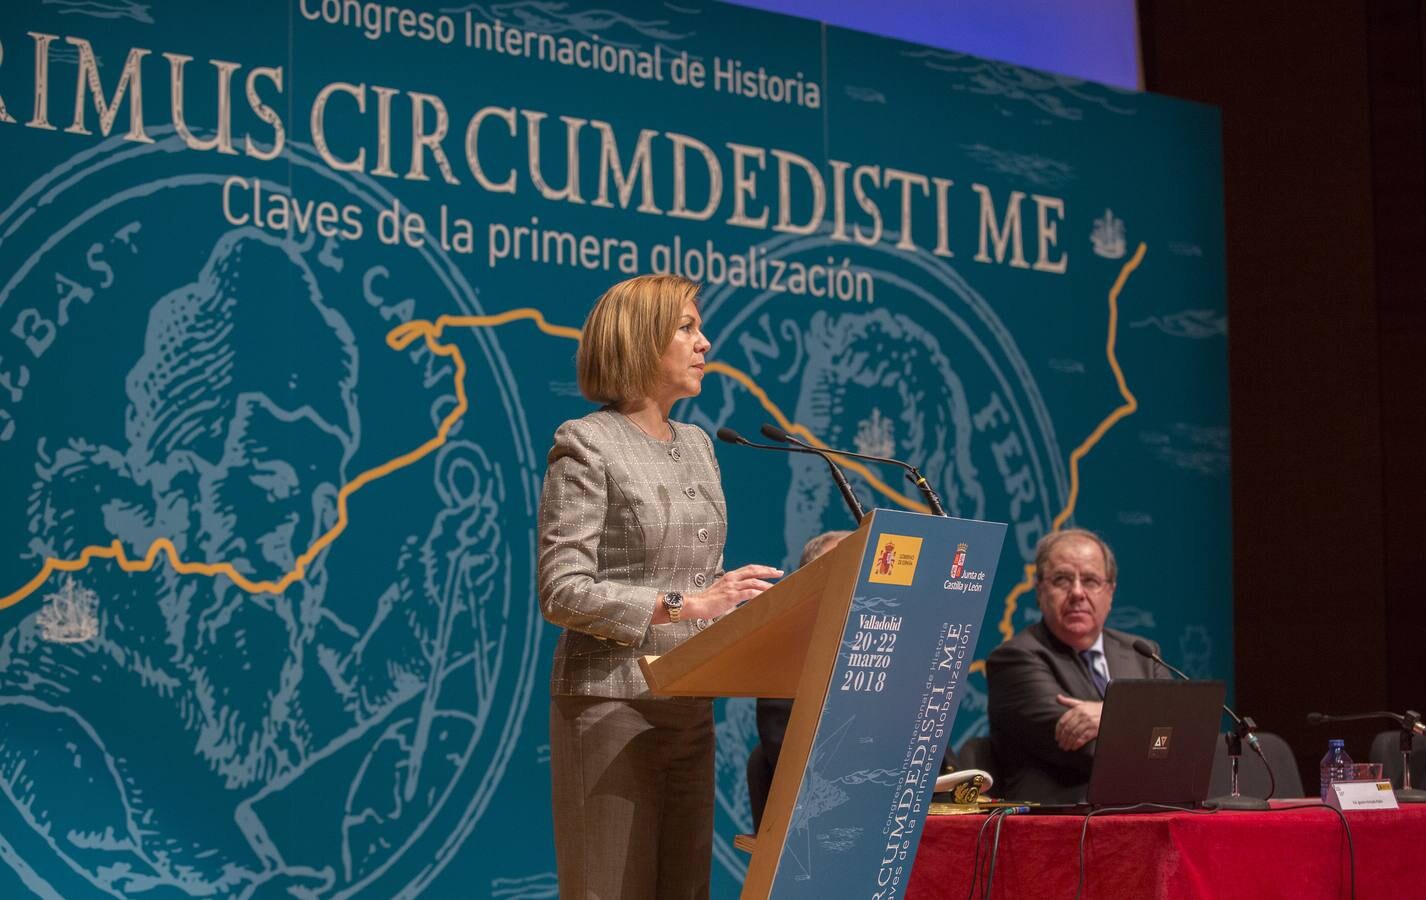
x=1296 y=853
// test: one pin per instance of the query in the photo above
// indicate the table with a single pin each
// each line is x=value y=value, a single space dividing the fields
x=1291 y=851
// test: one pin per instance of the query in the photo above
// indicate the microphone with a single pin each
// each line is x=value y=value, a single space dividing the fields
x=1411 y=721
x=1410 y=725
x=913 y=475
x=730 y=436
x=1244 y=729
x=1144 y=648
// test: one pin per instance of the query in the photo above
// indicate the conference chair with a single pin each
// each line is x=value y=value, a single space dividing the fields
x=1386 y=749
x=1253 y=778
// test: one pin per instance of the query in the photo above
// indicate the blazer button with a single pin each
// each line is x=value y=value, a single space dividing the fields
x=690 y=492
x=673 y=452
x=699 y=579
x=703 y=535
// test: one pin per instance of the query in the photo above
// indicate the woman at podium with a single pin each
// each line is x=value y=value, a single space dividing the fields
x=631 y=531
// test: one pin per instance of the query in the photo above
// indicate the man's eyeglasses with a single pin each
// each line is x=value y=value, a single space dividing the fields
x=1064 y=582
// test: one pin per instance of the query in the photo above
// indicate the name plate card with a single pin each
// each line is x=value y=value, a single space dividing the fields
x=1361 y=795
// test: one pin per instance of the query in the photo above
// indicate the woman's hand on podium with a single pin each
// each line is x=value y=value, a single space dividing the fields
x=737 y=586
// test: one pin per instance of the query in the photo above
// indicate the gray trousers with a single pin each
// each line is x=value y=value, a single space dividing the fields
x=633 y=797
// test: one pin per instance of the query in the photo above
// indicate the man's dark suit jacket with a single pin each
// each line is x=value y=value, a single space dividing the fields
x=1023 y=675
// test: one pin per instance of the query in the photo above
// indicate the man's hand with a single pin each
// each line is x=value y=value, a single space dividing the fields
x=1080 y=723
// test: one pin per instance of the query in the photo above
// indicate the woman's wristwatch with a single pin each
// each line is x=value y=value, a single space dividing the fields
x=673 y=602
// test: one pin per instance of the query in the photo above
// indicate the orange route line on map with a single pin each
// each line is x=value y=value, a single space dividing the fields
x=403 y=336
x=398 y=338
x=1125 y=409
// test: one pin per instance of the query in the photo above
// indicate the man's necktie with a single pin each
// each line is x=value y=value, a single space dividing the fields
x=1091 y=659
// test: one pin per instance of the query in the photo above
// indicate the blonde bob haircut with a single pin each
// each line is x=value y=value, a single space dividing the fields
x=626 y=334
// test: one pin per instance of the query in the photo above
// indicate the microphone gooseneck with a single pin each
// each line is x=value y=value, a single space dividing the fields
x=1246 y=727
x=1410 y=725
x=1411 y=721
x=854 y=506
x=1144 y=648
x=933 y=502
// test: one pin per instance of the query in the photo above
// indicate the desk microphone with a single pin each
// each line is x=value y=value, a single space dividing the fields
x=730 y=436
x=1410 y=724
x=1244 y=729
x=913 y=475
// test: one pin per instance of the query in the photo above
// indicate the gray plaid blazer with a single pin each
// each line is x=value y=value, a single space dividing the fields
x=623 y=518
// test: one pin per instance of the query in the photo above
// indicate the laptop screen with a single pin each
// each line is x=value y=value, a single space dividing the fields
x=1156 y=741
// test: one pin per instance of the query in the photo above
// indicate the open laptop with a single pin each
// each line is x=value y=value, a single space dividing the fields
x=1156 y=743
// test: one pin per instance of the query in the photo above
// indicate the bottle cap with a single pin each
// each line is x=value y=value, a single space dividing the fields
x=1335 y=743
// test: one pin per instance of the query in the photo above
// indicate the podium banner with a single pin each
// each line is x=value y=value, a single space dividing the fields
x=890 y=707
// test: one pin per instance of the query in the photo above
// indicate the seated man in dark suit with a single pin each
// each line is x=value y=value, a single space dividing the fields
x=1046 y=684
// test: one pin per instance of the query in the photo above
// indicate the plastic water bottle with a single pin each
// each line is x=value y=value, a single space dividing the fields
x=1335 y=766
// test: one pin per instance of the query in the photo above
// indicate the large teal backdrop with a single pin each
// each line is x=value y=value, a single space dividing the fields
x=288 y=300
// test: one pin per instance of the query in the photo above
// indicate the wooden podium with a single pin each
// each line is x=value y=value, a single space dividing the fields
x=891 y=615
